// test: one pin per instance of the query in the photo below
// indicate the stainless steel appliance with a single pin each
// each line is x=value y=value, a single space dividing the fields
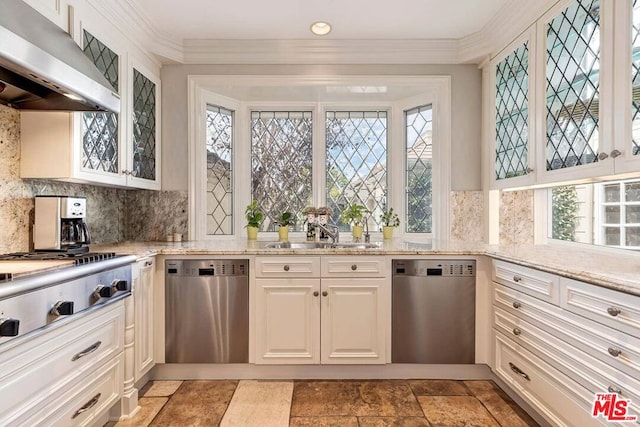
x=433 y=311
x=60 y=224
x=42 y=68
x=206 y=311
x=33 y=297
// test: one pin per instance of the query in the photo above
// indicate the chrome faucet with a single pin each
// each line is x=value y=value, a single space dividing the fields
x=335 y=234
x=367 y=236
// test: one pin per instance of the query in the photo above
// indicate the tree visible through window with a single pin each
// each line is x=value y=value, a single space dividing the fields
x=219 y=171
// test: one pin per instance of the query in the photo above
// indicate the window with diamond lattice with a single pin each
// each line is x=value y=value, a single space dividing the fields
x=356 y=156
x=419 y=155
x=100 y=130
x=144 y=127
x=635 y=77
x=219 y=171
x=281 y=163
x=512 y=109
x=572 y=89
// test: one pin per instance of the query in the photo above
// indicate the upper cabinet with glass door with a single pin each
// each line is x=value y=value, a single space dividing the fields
x=512 y=130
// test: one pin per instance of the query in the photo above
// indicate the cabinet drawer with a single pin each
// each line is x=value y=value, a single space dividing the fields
x=559 y=399
x=42 y=366
x=288 y=267
x=84 y=402
x=532 y=282
x=613 y=347
x=616 y=309
x=354 y=267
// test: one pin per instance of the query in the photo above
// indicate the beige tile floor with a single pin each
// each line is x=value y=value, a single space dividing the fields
x=320 y=403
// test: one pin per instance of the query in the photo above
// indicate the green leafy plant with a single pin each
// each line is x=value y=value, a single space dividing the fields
x=253 y=214
x=285 y=220
x=389 y=218
x=354 y=214
x=565 y=213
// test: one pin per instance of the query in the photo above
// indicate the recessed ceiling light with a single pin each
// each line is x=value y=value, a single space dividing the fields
x=320 y=28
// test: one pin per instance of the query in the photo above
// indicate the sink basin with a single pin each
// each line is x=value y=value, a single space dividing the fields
x=298 y=245
x=320 y=245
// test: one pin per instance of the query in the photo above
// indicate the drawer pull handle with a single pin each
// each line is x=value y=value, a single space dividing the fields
x=287 y=268
x=517 y=370
x=316 y=293
x=325 y=293
x=90 y=404
x=86 y=351
x=614 y=390
x=517 y=331
x=614 y=351
x=517 y=279
x=614 y=311
x=516 y=304
x=354 y=267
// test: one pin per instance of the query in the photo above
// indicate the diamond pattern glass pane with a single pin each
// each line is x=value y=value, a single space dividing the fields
x=419 y=143
x=573 y=75
x=219 y=171
x=281 y=163
x=635 y=78
x=356 y=163
x=144 y=127
x=512 y=109
x=100 y=130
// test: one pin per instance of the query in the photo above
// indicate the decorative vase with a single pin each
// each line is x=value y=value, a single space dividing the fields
x=356 y=232
x=387 y=232
x=252 y=233
x=283 y=233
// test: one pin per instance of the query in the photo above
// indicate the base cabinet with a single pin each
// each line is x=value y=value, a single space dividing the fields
x=329 y=320
x=143 y=283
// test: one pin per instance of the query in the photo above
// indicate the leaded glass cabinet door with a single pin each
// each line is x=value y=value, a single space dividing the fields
x=512 y=127
x=575 y=90
x=143 y=163
x=101 y=132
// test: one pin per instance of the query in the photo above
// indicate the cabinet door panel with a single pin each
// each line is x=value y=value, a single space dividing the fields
x=287 y=321
x=143 y=300
x=353 y=321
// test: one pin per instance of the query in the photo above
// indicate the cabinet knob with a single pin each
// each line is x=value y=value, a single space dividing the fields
x=516 y=304
x=125 y=172
x=325 y=293
x=614 y=311
x=316 y=293
x=354 y=267
x=616 y=153
x=286 y=268
x=614 y=390
x=602 y=156
x=9 y=327
x=517 y=331
x=148 y=263
x=614 y=351
x=529 y=170
x=62 y=308
x=517 y=279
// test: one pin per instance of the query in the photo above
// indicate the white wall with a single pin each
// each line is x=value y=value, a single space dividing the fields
x=466 y=114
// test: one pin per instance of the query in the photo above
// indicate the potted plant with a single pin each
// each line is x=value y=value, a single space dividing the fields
x=389 y=221
x=284 y=221
x=254 y=217
x=354 y=215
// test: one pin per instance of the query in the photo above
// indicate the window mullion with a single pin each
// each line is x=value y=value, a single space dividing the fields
x=319 y=156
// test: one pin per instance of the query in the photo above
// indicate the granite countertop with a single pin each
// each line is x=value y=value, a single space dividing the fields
x=616 y=270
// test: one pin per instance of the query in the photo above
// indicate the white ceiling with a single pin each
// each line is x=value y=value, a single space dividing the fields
x=290 y=19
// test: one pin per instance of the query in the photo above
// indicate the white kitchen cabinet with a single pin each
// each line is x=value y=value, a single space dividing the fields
x=329 y=310
x=577 y=340
x=143 y=296
x=104 y=148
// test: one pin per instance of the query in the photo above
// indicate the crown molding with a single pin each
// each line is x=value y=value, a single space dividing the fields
x=510 y=21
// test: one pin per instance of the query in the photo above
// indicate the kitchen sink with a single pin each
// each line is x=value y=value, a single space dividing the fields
x=321 y=245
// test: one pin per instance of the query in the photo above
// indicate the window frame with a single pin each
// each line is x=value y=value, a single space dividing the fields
x=437 y=92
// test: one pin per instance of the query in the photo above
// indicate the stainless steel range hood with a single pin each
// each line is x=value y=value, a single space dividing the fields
x=42 y=68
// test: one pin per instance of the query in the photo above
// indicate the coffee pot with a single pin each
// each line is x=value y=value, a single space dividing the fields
x=60 y=224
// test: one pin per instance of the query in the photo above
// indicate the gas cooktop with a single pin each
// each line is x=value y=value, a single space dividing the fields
x=78 y=259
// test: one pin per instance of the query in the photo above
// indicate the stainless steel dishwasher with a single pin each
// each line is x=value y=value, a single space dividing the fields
x=433 y=311
x=206 y=311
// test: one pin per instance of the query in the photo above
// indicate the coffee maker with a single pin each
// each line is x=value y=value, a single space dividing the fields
x=60 y=224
